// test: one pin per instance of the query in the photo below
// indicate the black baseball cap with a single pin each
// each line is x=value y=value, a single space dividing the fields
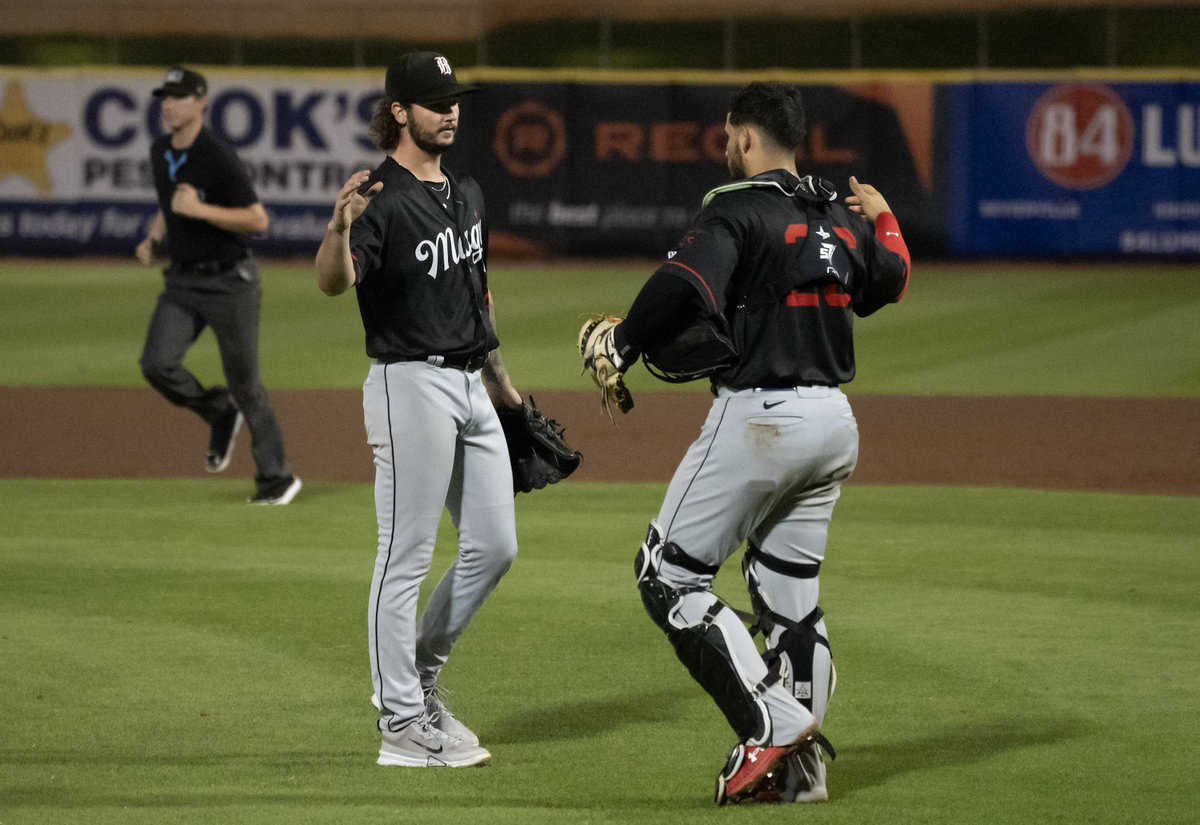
x=181 y=82
x=423 y=77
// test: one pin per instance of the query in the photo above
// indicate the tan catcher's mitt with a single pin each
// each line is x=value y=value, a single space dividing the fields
x=601 y=360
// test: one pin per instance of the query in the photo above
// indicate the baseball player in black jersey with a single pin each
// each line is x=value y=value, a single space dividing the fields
x=206 y=207
x=412 y=241
x=773 y=268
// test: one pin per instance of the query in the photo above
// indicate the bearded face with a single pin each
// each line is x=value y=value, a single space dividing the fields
x=432 y=126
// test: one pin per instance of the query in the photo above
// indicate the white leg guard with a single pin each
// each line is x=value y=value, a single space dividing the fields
x=784 y=596
x=713 y=644
x=808 y=674
x=785 y=601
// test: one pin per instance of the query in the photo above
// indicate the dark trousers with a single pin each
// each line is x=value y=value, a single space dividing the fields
x=228 y=302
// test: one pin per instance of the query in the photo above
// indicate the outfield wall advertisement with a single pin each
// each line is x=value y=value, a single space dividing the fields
x=1073 y=168
x=75 y=171
x=617 y=164
x=596 y=168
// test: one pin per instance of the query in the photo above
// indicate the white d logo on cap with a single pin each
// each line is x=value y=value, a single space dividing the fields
x=443 y=65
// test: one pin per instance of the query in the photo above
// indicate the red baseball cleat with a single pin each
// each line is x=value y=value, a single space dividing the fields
x=749 y=765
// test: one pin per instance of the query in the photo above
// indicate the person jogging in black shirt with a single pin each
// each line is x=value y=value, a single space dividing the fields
x=206 y=207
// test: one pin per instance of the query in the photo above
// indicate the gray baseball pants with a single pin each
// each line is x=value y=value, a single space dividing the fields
x=767 y=467
x=438 y=445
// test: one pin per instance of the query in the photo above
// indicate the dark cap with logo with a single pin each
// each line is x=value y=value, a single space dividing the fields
x=423 y=77
x=181 y=82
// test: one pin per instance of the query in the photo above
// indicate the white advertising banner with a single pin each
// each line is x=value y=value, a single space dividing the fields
x=74 y=149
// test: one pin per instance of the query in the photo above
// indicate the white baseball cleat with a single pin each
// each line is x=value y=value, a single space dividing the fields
x=445 y=721
x=418 y=744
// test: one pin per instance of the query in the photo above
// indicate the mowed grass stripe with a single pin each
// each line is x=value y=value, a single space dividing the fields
x=963 y=329
x=169 y=654
x=1037 y=331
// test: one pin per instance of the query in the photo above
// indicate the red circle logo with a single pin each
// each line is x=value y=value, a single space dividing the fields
x=530 y=139
x=1080 y=135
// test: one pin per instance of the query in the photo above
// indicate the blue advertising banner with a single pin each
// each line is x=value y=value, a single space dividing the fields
x=1072 y=169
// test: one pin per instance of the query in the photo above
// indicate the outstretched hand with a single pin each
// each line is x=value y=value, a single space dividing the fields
x=350 y=204
x=866 y=200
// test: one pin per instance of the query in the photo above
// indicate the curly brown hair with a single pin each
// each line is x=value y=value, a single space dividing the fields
x=384 y=129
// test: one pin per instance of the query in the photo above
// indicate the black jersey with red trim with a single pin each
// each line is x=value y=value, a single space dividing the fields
x=787 y=266
x=420 y=265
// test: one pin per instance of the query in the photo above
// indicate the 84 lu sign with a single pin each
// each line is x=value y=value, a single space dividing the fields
x=1080 y=136
x=1074 y=168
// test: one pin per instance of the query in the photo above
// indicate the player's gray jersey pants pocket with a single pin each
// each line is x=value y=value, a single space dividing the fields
x=438 y=445
x=768 y=465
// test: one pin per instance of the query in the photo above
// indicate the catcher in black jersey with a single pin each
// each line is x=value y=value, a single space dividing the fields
x=758 y=296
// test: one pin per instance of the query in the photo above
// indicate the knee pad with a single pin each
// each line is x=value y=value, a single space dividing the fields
x=708 y=639
x=647 y=568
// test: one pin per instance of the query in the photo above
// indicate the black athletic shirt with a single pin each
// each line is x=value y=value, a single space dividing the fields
x=786 y=266
x=220 y=178
x=420 y=263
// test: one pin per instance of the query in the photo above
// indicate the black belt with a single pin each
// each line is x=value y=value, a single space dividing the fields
x=467 y=363
x=797 y=384
x=208 y=267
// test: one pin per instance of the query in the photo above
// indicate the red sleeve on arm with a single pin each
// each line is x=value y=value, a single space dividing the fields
x=887 y=232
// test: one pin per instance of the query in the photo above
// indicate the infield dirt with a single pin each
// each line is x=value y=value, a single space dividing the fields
x=1120 y=445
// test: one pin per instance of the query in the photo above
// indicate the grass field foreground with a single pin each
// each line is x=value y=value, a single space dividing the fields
x=966 y=329
x=169 y=655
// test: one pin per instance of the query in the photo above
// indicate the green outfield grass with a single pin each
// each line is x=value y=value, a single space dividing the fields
x=1128 y=330
x=170 y=655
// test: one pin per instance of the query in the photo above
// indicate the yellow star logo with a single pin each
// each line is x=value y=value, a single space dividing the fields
x=25 y=139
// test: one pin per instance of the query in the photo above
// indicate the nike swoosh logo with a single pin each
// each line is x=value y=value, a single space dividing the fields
x=769 y=404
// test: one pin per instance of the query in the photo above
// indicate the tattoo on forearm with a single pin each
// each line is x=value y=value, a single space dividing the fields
x=493 y=368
